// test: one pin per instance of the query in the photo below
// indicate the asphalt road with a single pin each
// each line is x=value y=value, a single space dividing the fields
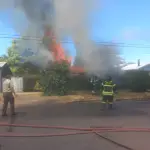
x=78 y=114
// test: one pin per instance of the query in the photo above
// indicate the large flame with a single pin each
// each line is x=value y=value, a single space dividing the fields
x=57 y=51
x=55 y=48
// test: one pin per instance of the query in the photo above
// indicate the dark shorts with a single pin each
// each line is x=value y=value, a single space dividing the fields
x=107 y=99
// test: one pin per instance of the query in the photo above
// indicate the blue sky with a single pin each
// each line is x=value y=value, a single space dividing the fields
x=121 y=21
x=5 y=28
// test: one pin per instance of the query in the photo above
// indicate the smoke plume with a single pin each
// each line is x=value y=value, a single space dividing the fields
x=106 y=61
x=66 y=18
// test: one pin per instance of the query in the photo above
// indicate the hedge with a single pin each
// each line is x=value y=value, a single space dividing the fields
x=76 y=83
x=136 y=80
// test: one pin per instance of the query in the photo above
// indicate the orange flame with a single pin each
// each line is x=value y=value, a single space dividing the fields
x=58 y=52
x=56 y=48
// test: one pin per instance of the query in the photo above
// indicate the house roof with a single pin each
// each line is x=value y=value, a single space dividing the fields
x=77 y=70
x=130 y=67
x=134 y=66
x=2 y=64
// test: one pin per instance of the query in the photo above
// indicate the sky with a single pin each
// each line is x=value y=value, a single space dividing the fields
x=5 y=28
x=120 y=21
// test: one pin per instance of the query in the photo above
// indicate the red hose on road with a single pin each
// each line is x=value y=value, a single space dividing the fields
x=44 y=135
x=63 y=134
x=84 y=130
x=119 y=129
x=45 y=126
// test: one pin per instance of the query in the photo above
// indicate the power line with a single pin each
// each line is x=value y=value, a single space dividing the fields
x=21 y=38
x=17 y=36
x=117 y=44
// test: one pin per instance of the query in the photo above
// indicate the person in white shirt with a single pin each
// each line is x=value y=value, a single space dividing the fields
x=8 y=96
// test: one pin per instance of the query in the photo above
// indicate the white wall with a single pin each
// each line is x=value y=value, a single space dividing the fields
x=18 y=83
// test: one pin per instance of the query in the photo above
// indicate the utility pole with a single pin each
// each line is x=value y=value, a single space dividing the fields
x=138 y=62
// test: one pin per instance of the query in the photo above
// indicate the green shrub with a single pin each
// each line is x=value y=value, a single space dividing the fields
x=37 y=86
x=54 y=81
x=137 y=81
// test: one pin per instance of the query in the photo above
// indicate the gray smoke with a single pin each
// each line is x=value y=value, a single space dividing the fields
x=29 y=19
x=66 y=18
x=106 y=61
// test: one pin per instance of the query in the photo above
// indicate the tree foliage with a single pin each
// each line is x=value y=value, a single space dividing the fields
x=54 y=80
x=14 y=60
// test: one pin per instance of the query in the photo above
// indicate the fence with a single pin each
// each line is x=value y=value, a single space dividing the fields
x=18 y=83
x=24 y=84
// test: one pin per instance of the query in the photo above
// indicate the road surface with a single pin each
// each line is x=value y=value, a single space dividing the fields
x=78 y=114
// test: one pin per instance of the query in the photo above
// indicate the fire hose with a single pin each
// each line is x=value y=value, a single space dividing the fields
x=77 y=131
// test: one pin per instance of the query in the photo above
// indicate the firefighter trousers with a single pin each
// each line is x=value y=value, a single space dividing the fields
x=107 y=99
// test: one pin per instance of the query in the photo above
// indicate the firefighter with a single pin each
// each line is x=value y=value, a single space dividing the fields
x=108 y=89
x=94 y=81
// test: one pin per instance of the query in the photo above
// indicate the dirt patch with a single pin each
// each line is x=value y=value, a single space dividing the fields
x=125 y=95
x=36 y=97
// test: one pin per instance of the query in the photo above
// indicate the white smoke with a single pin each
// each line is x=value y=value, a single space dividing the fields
x=67 y=18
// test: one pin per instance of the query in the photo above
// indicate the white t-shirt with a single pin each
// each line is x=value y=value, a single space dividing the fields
x=8 y=85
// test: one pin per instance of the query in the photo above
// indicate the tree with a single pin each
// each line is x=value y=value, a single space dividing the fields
x=12 y=58
x=15 y=63
x=54 y=80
